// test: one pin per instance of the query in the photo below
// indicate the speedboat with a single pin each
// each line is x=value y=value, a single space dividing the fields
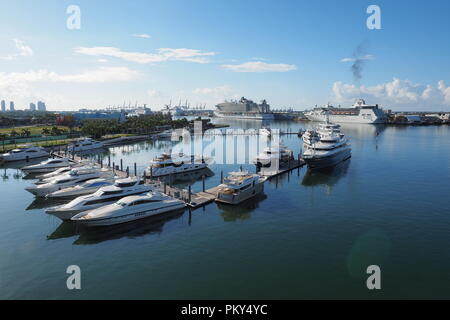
x=48 y=176
x=326 y=146
x=47 y=165
x=75 y=176
x=85 y=144
x=28 y=152
x=130 y=209
x=103 y=196
x=240 y=186
x=87 y=187
x=165 y=165
x=272 y=153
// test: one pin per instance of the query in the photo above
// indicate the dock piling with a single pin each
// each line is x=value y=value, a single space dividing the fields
x=135 y=170
x=189 y=194
x=221 y=176
x=121 y=165
x=203 y=182
x=128 y=171
x=109 y=160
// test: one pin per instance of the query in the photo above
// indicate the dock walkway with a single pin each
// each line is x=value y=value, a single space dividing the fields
x=192 y=200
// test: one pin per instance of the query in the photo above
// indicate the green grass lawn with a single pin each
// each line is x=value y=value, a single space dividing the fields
x=33 y=129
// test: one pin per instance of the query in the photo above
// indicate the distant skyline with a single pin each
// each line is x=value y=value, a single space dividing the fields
x=294 y=54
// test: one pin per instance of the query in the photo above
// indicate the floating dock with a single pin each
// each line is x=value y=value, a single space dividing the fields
x=192 y=200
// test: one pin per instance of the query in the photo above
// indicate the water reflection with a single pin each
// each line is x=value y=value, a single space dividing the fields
x=134 y=229
x=327 y=177
x=66 y=229
x=42 y=203
x=241 y=212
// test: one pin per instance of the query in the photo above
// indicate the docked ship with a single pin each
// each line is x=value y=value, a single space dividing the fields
x=360 y=112
x=326 y=146
x=244 y=109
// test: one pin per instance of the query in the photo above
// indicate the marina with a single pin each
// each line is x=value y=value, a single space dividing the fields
x=295 y=208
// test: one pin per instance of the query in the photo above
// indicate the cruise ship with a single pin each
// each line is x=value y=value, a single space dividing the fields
x=244 y=109
x=360 y=112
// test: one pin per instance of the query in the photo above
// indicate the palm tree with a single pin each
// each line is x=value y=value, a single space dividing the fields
x=45 y=131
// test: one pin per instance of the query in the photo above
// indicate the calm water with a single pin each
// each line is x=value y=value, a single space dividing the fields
x=312 y=235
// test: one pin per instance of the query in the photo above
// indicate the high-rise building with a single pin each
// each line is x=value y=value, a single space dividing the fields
x=41 y=106
x=3 y=106
x=11 y=106
x=32 y=107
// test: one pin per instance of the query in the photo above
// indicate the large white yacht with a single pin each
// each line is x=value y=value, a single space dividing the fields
x=360 y=112
x=20 y=154
x=269 y=154
x=48 y=165
x=240 y=186
x=75 y=176
x=48 y=176
x=103 y=196
x=129 y=209
x=326 y=146
x=87 y=187
x=166 y=164
x=85 y=144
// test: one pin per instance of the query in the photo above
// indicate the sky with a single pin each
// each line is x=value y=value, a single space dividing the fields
x=295 y=54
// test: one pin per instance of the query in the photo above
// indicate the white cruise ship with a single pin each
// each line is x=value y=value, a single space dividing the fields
x=244 y=109
x=360 y=112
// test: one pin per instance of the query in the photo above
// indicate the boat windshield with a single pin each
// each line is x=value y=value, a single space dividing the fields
x=121 y=204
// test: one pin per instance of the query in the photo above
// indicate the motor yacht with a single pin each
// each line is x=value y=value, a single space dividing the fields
x=75 y=176
x=47 y=166
x=103 y=196
x=269 y=154
x=85 y=144
x=165 y=165
x=20 y=154
x=130 y=209
x=48 y=176
x=85 y=188
x=326 y=146
x=240 y=186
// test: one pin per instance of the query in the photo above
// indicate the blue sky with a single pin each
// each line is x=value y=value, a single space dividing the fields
x=291 y=52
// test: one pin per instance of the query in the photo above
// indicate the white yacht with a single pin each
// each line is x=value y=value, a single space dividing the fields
x=325 y=147
x=85 y=144
x=20 y=154
x=103 y=196
x=87 y=187
x=269 y=154
x=240 y=186
x=166 y=164
x=360 y=112
x=167 y=134
x=75 y=176
x=48 y=165
x=48 y=176
x=130 y=209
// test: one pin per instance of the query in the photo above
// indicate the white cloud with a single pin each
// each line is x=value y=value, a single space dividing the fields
x=23 y=51
x=366 y=57
x=259 y=66
x=164 y=54
x=397 y=94
x=103 y=74
x=142 y=35
x=215 y=91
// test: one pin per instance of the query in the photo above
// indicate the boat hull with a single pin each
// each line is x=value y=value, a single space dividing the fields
x=110 y=221
x=244 y=116
x=242 y=196
x=316 y=162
